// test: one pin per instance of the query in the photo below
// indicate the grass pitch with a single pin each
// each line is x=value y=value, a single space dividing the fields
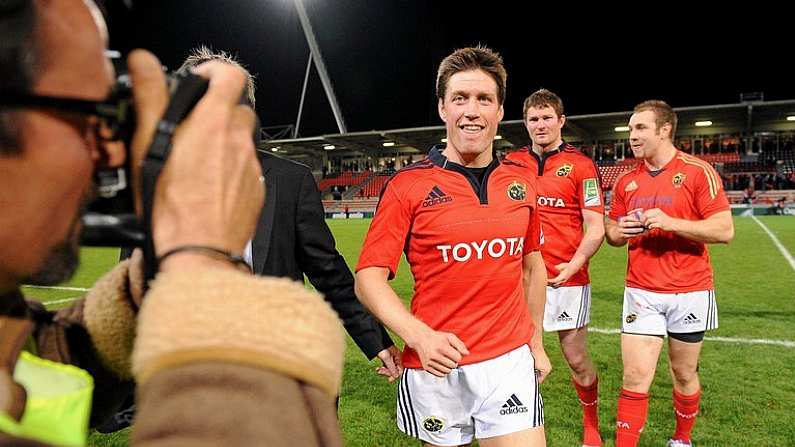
x=748 y=385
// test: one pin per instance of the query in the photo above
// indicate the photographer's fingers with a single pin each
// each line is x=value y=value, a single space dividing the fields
x=210 y=192
x=225 y=88
x=252 y=188
x=150 y=95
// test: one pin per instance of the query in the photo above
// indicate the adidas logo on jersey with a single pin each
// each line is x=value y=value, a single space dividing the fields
x=692 y=319
x=513 y=406
x=564 y=316
x=496 y=248
x=436 y=197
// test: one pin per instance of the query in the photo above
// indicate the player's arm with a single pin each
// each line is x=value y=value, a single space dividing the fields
x=439 y=352
x=534 y=277
x=717 y=228
x=591 y=241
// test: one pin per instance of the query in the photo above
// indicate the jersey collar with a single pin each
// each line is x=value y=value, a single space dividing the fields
x=546 y=155
x=481 y=189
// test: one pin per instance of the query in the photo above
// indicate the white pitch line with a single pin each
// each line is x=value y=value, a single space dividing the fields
x=72 y=289
x=65 y=300
x=776 y=242
x=746 y=341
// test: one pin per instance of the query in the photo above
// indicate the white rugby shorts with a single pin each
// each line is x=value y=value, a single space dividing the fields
x=652 y=313
x=491 y=398
x=567 y=308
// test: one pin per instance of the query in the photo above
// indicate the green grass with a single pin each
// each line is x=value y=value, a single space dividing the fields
x=782 y=228
x=749 y=389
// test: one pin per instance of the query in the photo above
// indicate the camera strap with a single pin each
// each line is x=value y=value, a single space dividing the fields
x=187 y=92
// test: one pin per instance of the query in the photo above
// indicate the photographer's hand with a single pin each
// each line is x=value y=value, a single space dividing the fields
x=209 y=192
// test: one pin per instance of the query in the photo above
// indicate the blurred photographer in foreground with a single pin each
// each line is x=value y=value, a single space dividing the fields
x=208 y=371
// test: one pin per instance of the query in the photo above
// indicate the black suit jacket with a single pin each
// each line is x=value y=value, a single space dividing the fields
x=292 y=239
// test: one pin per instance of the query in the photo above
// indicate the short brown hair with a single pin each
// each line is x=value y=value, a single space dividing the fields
x=472 y=58
x=663 y=113
x=204 y=54
x=543 y=98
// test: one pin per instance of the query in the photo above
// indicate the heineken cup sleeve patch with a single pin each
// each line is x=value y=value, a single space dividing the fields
x=591 y=192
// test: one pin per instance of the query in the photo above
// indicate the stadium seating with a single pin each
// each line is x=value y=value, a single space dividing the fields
x=748 y=166
x=373 y=187
x=609 y=174
x=720 y=158
x=347 y=178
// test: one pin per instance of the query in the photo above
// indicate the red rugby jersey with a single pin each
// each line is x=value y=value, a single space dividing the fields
x=568 y=182
x=686 y=188
x=465 y=243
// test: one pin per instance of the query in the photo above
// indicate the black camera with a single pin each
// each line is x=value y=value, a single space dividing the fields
x=110 y=219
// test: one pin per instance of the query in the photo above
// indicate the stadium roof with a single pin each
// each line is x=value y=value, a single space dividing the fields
x=742 y=118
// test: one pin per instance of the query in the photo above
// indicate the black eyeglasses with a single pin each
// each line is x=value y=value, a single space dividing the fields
x=113 y=113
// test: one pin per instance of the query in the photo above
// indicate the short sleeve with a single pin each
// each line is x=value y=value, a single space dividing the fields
x=386 y=237
x=710 y=197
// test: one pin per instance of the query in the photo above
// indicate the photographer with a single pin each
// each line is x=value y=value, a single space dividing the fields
x=201 y=364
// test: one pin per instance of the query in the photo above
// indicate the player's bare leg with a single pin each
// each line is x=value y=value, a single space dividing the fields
x=684 y=365
x=533 y=437
x=639 y=354
x=574 y=344
x=687 y=387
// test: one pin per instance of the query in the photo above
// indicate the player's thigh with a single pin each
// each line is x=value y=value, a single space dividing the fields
x=533 y=437
x=639 y=354
x=683 y=354
x=640 y=349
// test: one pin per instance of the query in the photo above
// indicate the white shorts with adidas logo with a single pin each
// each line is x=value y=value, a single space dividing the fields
x=567 y=308
x=481 y=400
x=652 y=313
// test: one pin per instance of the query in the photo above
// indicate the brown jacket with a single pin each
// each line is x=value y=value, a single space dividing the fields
x=220 y=357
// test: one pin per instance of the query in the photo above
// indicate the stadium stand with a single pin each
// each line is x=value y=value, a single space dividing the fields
x=347 y=178
x=751 y=144
x=609 y=174
x=373 y=187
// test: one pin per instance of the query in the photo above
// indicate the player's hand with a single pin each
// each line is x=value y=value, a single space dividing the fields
x=567 y=270
x=542 y=364
x=631 y=225
x=392 y=363
x=656 y=218
x=440 y=352
x=209 y=192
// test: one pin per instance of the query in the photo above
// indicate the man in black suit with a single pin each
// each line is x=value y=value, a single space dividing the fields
x=293 y=240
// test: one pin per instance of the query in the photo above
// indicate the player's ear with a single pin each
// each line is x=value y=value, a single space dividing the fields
x=501 y=113
x=442 y=111
x=562 y=120
x=665 y=130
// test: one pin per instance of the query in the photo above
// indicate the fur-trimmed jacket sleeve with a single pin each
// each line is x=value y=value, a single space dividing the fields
x=220 y=357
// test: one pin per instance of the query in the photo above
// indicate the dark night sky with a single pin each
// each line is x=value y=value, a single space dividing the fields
x=382 y=55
